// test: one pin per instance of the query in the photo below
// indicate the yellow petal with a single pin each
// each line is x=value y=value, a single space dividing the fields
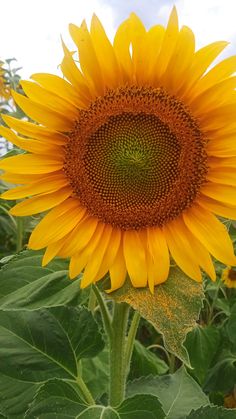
x=219 y=72
x=203 y=257
x=118 y=270
x=135 y=258
x=35 y=131
x=217 y=95
x=168 y=45
x=31 y=163
x=103 y=48
x=227 y=211
x=87 y=56
x=222 y=147
x=218 y=163
x=41 y=202
x=57 y=223
x=223 y=175
x=59 y=86
x=206 y=55
x=80 y=236
x=74 y=75
x=180 y=61
x=154 y=37
x=54 y=102
x=160 y=253
x=181 y=249
x=95 y=262
x=21 y=178
x=80 y=260
x=151 y=271
x=43 y=114
x=155 y=272
x=211 y=233
x=44 y=185
x=222 y=193
x=218 y=118
x=201 y=61
x=51 y=251
x=76 y=266
x=138 y=40
x=110 y=253
x=221 y=132
x=122 y=49
x=33 y=146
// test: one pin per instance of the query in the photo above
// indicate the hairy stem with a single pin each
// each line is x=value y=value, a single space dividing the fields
x=106 y=317
x=118 y=366
x=84 y=390
x=131 y=338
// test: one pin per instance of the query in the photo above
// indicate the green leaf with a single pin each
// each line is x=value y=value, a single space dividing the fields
x=145 y=362
x=141 y=406
x=15 y=396
x=14 y=151
x=202 y=344
x=222 y=377
x=178 y=393
x=47 y=343
x=9 y=60
x=82 y=330
x=172 y=309
x=98 y=412
x=55 y=398
x=6 y=259
x=137 y=407
x=223 y=305
x=231 y=326
x=216 y=398
x=213 y=412
x=34 y=347
x=24 y=283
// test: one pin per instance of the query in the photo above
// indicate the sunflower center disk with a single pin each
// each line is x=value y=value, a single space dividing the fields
x=136 y=158
x=232 y=274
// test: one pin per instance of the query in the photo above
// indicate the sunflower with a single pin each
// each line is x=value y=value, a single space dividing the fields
x=134 y=154
x=229 y=277
x=4 y=90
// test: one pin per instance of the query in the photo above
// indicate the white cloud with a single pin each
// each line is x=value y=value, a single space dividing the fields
x=210 y=20
x=31 y=30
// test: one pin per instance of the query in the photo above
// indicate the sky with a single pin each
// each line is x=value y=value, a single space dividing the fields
x=30 y=30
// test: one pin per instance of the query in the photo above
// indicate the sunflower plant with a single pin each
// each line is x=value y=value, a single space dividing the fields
x=14 y=231
x=9 y=79
x=131 y=160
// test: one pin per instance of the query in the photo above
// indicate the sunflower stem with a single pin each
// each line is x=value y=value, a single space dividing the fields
x=172 y=363
x=106 y=317
x=118 y=365
x=84 y=390
x=212 y=304
x=156 y=346
x=19 y=234
x=92 y=300
x=131 y=339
